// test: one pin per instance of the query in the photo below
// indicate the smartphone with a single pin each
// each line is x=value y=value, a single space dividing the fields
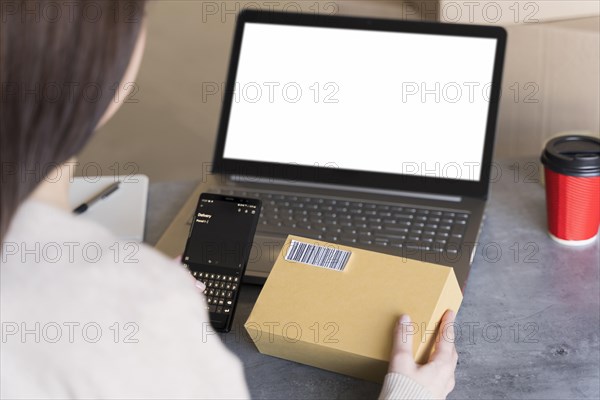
x=218 y=249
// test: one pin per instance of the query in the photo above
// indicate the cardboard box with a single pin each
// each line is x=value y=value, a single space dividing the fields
x=551 y=84
x=342 y=320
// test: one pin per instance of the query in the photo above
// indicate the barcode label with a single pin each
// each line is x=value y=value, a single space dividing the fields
x=318 y=256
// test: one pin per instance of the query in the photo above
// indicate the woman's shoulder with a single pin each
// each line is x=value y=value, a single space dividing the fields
x=71 y=260
x=82 y=297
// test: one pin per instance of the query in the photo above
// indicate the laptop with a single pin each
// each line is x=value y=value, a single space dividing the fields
x=372 y=133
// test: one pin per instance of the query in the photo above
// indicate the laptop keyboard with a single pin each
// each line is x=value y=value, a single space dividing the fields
x=373 y=225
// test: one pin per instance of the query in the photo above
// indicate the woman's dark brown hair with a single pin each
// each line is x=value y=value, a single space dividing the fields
x=60 y=64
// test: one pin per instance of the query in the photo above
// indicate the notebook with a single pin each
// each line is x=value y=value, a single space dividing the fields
x=123 y=212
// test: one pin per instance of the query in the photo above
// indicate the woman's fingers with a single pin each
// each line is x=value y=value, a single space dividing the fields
x=403 y=337
x=444 y=344
x=198 y=284
x=402 y=350
x=437 y=376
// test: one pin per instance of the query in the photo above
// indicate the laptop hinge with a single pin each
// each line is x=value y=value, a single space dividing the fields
x=388 y=192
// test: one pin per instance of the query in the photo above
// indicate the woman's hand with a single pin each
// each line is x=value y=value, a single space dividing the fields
x=437 y=376
x=198 y=284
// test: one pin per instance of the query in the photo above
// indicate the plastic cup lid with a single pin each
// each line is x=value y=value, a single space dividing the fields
x=573 y=155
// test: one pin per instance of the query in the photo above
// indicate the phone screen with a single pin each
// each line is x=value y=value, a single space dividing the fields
x=222 y=232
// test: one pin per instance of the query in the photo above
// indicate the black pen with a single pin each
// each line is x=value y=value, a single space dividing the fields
x=102 y=195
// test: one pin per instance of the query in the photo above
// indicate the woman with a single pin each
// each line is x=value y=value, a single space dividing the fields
x=105 y=324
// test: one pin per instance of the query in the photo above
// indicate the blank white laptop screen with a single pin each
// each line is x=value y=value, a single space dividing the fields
x=399 y=103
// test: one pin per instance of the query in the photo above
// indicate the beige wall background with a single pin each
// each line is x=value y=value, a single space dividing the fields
x=168 y=127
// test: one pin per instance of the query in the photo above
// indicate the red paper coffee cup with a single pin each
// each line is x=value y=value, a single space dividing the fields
x=572 y=172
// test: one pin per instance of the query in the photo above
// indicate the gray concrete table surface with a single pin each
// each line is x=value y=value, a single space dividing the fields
x=528 y=327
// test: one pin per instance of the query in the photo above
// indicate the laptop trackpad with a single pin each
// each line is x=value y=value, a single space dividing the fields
x=264 y=252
